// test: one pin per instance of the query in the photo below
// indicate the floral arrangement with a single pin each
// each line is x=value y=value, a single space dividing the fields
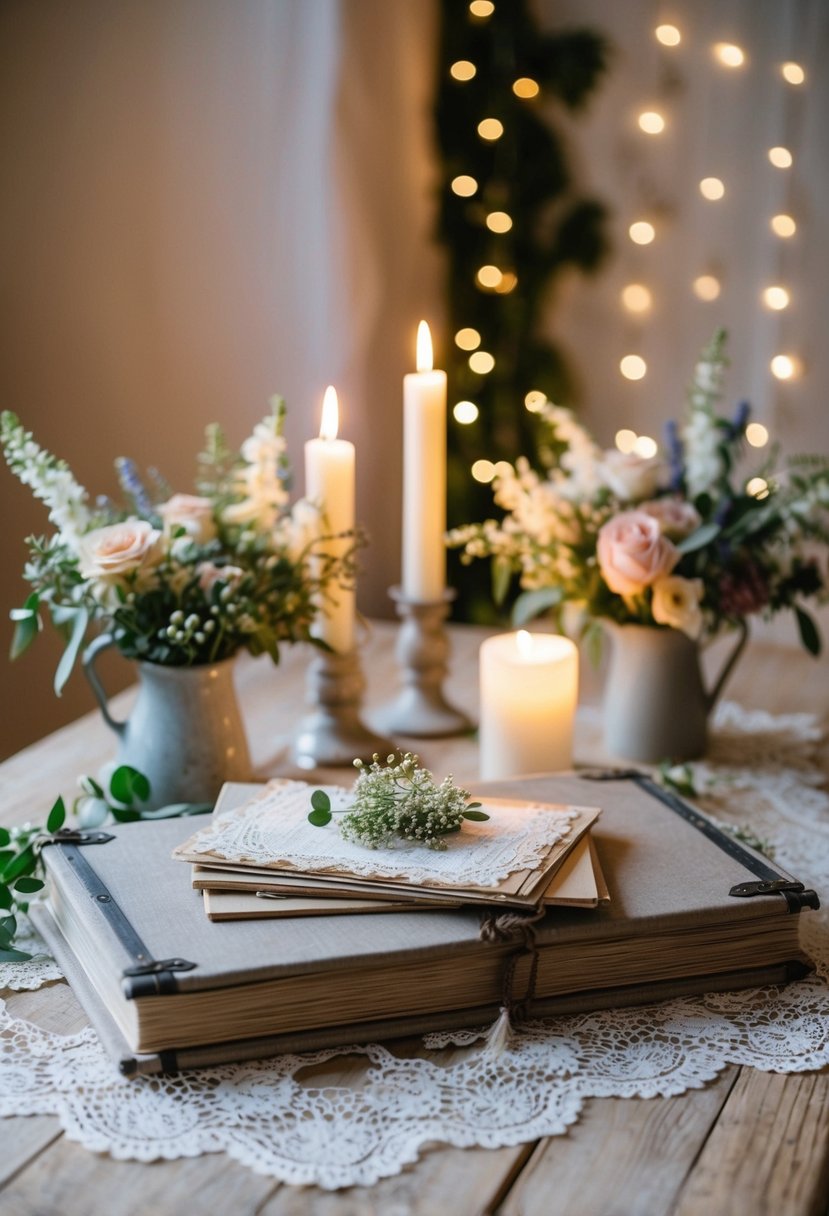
x=675 y=540
x=399 y=800
x=178 y=579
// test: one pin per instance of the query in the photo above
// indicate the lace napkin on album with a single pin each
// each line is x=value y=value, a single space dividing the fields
x=272 y=831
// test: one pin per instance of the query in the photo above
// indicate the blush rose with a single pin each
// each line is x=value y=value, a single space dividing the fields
x=119 y=549
x=190 y=512
x=633 y=553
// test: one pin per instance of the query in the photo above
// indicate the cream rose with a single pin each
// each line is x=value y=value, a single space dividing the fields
x=110 y=553
x=677 y=518
x=190 y=512
x=676 y=602
x=628 y=476
x=633 y=553
x=209 y=574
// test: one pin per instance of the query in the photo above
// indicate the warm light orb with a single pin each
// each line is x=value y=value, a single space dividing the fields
x=465 y=412
x=482 y=8
x=711 y=188
x=468 y=339
x=783 y=225
x=481 y=362
x=633 y=367
x=645 y=447
x=757 y=435
x=525 y=87
x=776 y=298
x=424 y=358
x=508 y=283
x=503 y=468
x=641 y=232
x=535 y=400
x=483 y=471
x=498 y=221
x=706 y=287
x=793 y=73
x=784 y=367
x=490 y=129
x=625 y=440
x=668 y=35
x=489 y=276
x=757 y=487
x=651 y=122
x=636 y=297
x=781 y=158
x=462 y=69
x=464 y=185
x=729 y=55
x=330 y=422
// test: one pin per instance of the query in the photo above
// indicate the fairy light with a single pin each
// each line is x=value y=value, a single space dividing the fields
x=668 y=35
x=468 y=338
x=784 y=367
x=636 y=297
x=525 y=87
x=757 y=435
x=633 y=367
x=793 y=73
x=490 y=129
x=463 y=70
x=489 y=276
x=481 y=362
x=625 y=439
x=781 y=158
x=503 y=468
x=706 y=287
x=498 y=221
x=645 y=447
x=641 y=232
x=651 y=122
x=757 y=487
x=729 y=55
x=509 y=282
x=464 y=185
x=482 y=8
x=711 y=188
x=535 y=400
x=465 y=412
x=483 y=471
x=776 y=298
x=783 y=225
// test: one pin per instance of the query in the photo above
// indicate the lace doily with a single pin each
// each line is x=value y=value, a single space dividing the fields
x=274 y=826
x=294 y=1119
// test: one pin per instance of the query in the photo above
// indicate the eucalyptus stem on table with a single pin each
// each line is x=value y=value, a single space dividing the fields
x=399 y=799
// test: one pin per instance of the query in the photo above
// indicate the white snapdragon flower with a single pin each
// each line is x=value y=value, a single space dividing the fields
x=703 y=458
x=49 y=479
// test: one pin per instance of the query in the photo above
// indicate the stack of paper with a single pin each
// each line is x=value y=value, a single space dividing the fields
x=260 y=858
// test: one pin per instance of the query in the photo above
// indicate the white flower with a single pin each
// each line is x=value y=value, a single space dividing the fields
x=628 y=476
x=676 y=602
x=703 y=459
x=190 y=512
x=50 y=480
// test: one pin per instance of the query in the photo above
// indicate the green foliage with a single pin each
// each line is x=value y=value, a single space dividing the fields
x=21 y=869
x=525 y=173
x=398 y=799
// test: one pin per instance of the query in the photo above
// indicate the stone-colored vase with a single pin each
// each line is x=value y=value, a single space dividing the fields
x=185 y=732
x=656 y=706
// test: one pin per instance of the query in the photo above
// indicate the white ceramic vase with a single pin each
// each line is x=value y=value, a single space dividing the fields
x=185 y=732
x=656 y=705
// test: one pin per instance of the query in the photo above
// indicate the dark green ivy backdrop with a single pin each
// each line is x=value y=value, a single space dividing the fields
x=527 y=174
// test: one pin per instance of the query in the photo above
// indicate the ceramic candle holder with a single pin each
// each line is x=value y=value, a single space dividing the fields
x=420 y=709
x=332 y=734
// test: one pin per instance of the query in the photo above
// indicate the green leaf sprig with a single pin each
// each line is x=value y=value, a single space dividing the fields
x=123 y=799
x=399 y=799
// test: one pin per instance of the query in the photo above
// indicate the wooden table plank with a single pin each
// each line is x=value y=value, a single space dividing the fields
x=22 y=1140
x=624 y=1157
x=768 y=1154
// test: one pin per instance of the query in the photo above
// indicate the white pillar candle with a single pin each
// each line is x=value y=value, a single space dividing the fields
x=329 y=483
x=529 y=688
x=424 y=477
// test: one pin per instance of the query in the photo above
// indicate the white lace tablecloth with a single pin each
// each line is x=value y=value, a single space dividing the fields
x=302 y=1129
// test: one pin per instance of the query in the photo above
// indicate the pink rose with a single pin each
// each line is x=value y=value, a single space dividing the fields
x=677 y=518
x=119 y=549
x=633 y=553
x=190 y=512
x=210 y=574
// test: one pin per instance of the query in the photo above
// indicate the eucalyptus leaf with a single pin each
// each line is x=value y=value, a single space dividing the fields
x=70 y=654
x=28 y=886
x=699 y=539
x=57 y=816
x=319 y=818
x=320 y=801
x=23 y=863
x=127 y=784
x=14 y=956
x=25 y=632
x=6 y=897
x=477 y=816
x=531 y=604
x=809 y=634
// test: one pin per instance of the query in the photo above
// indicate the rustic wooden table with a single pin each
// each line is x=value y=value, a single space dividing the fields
x=750 y=1143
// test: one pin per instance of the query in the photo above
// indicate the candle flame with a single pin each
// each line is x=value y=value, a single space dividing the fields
x=524 y=642
x=425 y=358
x=330 y=414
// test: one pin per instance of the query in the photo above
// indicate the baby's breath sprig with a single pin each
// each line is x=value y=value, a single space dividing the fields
x=399 y=798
